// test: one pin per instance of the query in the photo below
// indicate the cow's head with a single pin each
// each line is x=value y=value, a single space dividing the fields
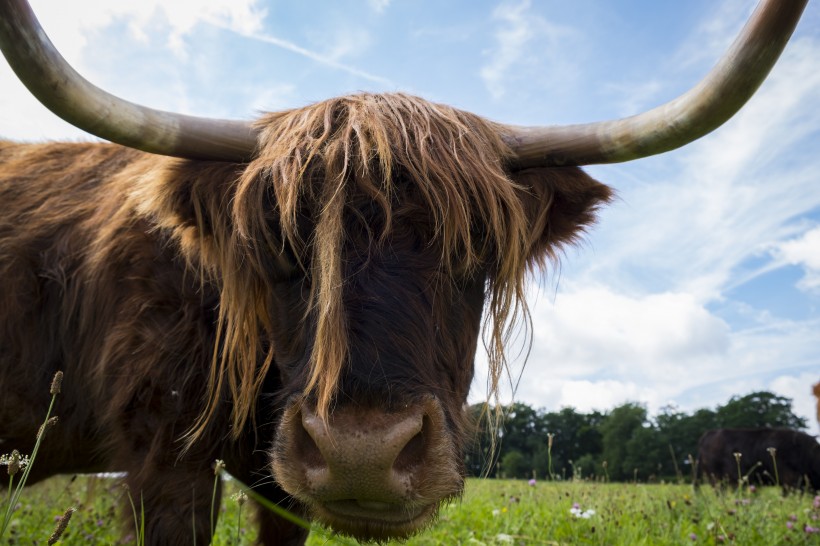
x=393 y=221
x=357 y=242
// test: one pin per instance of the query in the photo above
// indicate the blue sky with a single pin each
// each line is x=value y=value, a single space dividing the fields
x=701 y=281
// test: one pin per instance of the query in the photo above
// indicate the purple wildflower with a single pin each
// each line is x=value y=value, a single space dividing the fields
x=531 y=482
x=693 y=537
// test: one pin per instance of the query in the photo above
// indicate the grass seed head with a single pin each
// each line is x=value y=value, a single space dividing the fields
x=56 y=383
x=61 y=527
x=47 y=425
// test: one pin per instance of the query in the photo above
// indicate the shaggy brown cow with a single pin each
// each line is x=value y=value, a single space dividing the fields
x=767 y=456
x=302 y=297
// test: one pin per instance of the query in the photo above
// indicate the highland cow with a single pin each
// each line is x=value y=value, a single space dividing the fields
x=764 y=456
x=302 y=297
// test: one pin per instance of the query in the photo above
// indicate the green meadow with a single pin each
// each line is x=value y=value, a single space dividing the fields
x=492 y=511
x=87 y=510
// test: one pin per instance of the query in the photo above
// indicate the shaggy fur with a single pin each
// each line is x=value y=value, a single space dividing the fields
x=349 y=261
x=796 y=456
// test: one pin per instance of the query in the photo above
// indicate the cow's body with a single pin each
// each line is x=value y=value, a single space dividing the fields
x=118 y=267
x=795 y=454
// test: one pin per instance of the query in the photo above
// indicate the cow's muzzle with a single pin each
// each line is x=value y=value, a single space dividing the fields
x=367 y=472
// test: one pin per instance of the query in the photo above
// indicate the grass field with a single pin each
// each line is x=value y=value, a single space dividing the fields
x=491 y=512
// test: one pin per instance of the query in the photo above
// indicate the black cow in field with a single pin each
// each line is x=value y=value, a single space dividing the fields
x=766 y=456
x=302 y=296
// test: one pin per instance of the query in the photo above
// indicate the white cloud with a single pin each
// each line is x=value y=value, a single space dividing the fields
x=329 y=58
x=68 y=23
x=345 y=41
x=725 y=199
x=594 y=348
x=520 y=33
x=713 y=35
x=798 y=388
x=591 y=335
x=379 y=6
x=805 y=252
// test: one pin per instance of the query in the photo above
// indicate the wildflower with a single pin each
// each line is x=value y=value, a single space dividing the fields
x=693 y=537
x=503 y=537
x=809 y=530
x=737 y=458
x=240 y=498
x=496 y=512
x=793 y=517
x=15 y=462
x=219 y=466
x=772 y=451
x=578 y=513
x=816 y=502
x=789 y=525
x=531 y=482
x=752 y=489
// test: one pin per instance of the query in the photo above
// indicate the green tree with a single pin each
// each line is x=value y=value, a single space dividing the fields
x=759 y=409
x=574 y=435
x=646 y=454
x=679 y=433
x=521 y=428
x=616 y=430
x=515 y=464
x=481 y=452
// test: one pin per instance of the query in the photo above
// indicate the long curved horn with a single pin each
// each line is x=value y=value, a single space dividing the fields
x=697 y=112
x=62 y=90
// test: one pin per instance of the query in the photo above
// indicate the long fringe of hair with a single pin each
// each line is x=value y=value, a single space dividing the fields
x=318 y=158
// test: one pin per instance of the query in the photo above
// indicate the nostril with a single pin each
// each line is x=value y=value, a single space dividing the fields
x=305 y=447
x=412 y=454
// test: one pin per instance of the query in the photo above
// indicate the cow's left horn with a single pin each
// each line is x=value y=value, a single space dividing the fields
x=697 y=112
x=62 y=90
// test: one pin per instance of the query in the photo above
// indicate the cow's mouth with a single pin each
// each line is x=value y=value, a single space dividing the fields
x=374 y=520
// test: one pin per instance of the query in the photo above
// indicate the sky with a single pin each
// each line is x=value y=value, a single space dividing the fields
x=700 y=282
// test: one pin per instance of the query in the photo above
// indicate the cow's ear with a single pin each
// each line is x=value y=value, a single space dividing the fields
x=560 y=203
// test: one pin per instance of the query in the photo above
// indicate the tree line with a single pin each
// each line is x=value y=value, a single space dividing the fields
x=623 y=444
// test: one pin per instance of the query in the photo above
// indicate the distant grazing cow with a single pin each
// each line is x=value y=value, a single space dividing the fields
x=302 y=296
x=795 y=454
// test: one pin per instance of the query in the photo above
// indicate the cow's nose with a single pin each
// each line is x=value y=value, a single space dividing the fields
x=368 y=469
x=364 y=455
